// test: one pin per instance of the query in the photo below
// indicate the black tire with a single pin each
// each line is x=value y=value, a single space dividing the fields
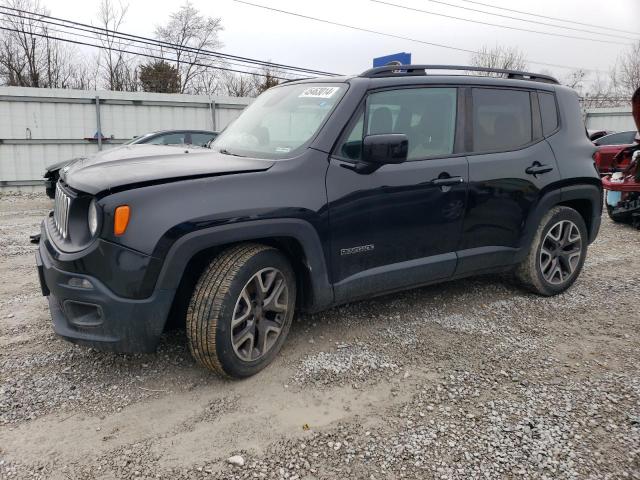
x=530 y=271
x=618 y=218
x=216 y=299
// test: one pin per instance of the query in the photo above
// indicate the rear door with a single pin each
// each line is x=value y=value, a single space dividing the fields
x=510 y=165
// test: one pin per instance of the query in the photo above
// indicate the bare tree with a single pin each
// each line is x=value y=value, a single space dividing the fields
x=29 y=57
x=84 y=75
x=601 y=93
x=249 y=84
x=190 y=34
x=117 y=68
x=499 y=57
x=237 y=85
x=575 y=79
x=626 y=73
x=210 y=82
x=268 y=77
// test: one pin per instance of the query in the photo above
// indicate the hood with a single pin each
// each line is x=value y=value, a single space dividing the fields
x=137 y=165
x=104 y=154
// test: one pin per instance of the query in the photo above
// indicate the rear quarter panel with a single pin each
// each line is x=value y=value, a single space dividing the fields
x=570 y=144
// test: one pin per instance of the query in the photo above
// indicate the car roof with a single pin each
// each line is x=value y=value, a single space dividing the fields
x=437 y=79
x=392 y=75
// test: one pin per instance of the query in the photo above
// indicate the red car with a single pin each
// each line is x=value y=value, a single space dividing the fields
x=611 y=145
x=623 y=186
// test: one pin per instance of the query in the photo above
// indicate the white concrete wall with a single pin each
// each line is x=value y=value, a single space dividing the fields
x=40 y=126
x=618 y=119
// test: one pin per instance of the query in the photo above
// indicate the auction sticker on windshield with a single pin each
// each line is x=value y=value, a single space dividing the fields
x=319 y=92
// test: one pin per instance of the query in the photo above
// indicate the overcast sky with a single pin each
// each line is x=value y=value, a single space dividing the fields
x=261 y=34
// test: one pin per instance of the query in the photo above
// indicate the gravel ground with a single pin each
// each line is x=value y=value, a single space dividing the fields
x=469 y=379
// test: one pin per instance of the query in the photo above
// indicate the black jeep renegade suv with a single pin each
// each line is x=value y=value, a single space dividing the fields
x=324 y=191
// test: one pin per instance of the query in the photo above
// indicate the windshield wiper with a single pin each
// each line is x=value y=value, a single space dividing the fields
x=224 y=151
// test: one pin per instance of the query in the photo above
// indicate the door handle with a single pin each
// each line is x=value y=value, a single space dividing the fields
x=447 y=181
x=537 y=169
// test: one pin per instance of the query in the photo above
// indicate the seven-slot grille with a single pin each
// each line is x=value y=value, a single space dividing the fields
x=61 y=212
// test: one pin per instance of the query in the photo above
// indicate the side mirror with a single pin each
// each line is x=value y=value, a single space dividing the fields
x=385 y=148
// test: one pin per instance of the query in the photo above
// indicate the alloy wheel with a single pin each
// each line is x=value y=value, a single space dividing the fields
x=259 y=314
x=561 y=252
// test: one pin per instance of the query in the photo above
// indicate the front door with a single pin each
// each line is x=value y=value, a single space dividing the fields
x=400 y=225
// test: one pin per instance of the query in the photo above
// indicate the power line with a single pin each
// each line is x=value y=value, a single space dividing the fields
x=120 y=43
x=149 y=41
x=555 y=25
x=549 y=18
x=399 y=37
x=507 y=27
x=76 y=42
x=128 y=36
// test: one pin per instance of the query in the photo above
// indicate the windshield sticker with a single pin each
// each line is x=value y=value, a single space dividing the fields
x=319 y=92
x=283 y=149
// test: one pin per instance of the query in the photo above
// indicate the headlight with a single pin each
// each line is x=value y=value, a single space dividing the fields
x=92 y=218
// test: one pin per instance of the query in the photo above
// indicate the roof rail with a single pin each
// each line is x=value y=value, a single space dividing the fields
x=420 y=70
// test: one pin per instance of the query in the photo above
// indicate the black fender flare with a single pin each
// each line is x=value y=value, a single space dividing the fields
x=583 y=191
x=185 y=247
x=594 y=194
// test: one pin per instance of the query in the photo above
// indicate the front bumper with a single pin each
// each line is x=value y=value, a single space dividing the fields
x=91 y=314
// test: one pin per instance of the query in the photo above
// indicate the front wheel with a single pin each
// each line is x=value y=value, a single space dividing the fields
x=557 y=253
x=241 y=310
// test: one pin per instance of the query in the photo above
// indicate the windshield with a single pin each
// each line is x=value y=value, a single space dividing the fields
x=280 y=121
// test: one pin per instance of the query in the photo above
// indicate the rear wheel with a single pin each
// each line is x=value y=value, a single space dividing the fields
x=241 y=310
x=557 y=253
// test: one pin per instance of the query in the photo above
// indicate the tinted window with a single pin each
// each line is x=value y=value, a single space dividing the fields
x=352 y=146
x=168 y=139
x=501 y=119
x=622 y=138
x=201 y=139
x=426 y=115
x=548 y=112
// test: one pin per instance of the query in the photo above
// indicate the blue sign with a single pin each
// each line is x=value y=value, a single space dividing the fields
x=402 y=58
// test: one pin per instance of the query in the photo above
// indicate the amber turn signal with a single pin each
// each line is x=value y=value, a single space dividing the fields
x=121 y=219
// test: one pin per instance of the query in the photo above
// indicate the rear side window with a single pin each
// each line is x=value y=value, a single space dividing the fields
x=549 y=112
x=501 y=119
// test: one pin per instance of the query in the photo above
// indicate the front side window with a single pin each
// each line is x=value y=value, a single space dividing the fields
x=427 y=116
x=501 y=119
x=281 y=120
